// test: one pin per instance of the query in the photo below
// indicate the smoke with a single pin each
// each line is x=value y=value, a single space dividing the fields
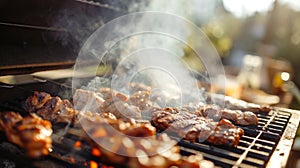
x=148 y=48
x=80 y=18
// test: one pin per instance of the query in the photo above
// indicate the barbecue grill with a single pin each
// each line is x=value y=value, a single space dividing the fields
x=265 y=145
x=47 y=46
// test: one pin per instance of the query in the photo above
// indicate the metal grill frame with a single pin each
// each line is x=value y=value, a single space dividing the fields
x=282 y=151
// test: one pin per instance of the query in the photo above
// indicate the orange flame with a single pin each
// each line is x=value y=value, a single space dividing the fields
x=77 y=144
x=96 y=152
x=72 y=160
x=104 y=166
x=93 y=164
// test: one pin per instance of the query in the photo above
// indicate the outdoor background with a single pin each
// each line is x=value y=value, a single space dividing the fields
x=269 y=29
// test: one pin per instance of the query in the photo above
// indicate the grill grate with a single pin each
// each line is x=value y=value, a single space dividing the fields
x=263 y=145
x=254 y=149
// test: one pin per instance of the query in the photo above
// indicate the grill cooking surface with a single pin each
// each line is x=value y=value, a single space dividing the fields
x=261 y=145
x=254 y=148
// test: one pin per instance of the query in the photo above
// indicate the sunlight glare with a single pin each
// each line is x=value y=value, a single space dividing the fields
x=242 y=8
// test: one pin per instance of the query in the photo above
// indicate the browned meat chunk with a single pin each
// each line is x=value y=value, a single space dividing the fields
x=225 y=133
x=8 y=119
x=121 y=109
x=51 y=108
x=171 y=118
x=141 y=130
x=197 y=128
x=36 y=101
x=105 y=92
x=136 y=87
x=31 y=133
x=243 y=118
x=108 y=115
x=85 y=100
x=58 y=110
x=108 y=93
x=236 y=116
x=141 y=99
x=114 y=103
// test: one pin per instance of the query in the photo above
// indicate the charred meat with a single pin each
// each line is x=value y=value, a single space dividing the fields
x=197 y=128
x=121 y=109
x=236 y=116
x=30 y=133
x=141 y=99
x=51 y=108
x=114 y=103
x=225 y=133
x=36 y=101
x=87 y=101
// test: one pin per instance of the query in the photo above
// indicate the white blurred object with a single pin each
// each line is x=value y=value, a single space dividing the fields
x=293 y=89
x=259 y=97
x=285 y=76
x=250 y=74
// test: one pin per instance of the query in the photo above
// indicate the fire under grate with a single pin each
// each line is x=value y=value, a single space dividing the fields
x=264 y=145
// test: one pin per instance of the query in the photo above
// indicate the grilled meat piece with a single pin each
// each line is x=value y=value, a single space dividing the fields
x=140 y=130
x=94 y=116
x=197 y=128
x=31 y=132
x=114 y=103
x=239 y=117
x=85 y=100
x=136 y=87
x=105 y=92
x=66 y=112
x=108 y=93
x=172 y=118
x=225 y=133
x=51 y=108
x=117 y=104
x=8 y=119
x=131 y=128
x=36 y=101
x=236 y=116
x=58 y=110
x=108 y=115
x=121 y=109
x=48 y=110
x=122 y=148
x=141 y=99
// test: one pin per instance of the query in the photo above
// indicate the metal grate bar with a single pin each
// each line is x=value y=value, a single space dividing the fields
x=242 y=157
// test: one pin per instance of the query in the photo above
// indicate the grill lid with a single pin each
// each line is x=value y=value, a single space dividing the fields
x=39 y=36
